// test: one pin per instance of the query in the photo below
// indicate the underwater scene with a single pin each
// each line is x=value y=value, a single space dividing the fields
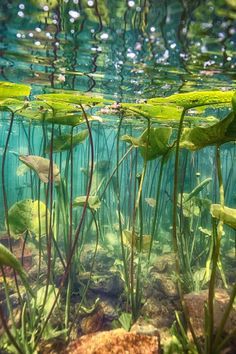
x=118 y=176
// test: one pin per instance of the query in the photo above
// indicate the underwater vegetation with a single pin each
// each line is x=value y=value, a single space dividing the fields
x=97 y=223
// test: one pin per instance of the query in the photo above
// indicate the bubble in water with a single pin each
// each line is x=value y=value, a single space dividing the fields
x=74 y=14
x=131 y=3
x=104 y=36
x=20 y=14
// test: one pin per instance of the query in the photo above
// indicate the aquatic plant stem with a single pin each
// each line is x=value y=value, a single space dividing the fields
x=90 y=274
x=126 y=274
x=77 y=231
x=10 y=336
x=174 y=231
x=217 y=235
x=154 y=223
x=5 y=196
x=217 y=345
x=175 y=205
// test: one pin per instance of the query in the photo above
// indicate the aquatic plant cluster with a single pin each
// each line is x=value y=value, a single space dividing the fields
x=77 y=211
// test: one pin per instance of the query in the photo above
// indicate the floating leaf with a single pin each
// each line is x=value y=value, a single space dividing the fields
x=11 y=104
x=150 y=111
x=41 y=166
x=73 y=97
x=227 y=215
x=65 y=142
x=217 y=134
x=51 y=112
x=27 y=215
x=8 y=259
x=195 y=99
x=93 y=202
x=152 y=143
x=10 y=90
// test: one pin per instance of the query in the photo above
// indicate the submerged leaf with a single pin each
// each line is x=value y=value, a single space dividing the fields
x=132 y=239
x=217 y=134
x=151 y=202
x=66 y=142
x=198 y=189
x=8 y=259
x=227 y=215
x=195 y=99
x=9 y=89
x=93 y=202
x=27 y=215
x=193 y=206
x=22 y=169
x=41 y=166
x=154 y=142
x=52 y=293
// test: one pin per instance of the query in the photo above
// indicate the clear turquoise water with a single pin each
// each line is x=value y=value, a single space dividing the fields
x=125 y=51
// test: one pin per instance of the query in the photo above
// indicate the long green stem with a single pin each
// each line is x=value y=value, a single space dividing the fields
x=174 y=225
x=124 y=258
x=217 y=235
x=154 y=223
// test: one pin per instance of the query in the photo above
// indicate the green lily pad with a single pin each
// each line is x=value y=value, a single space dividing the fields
x=151 y=111
x=94 y=202
x=217 y=134
x=51 y=112
x=152 y=143
x=11 y=90
x=11 y=104
x=73 y=97
x=64 y=142
x=195 y=99
x=227 y=215
x=41 y=166
x=27 y=215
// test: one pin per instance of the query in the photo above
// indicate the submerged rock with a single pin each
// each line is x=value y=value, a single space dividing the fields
x=92 y=323
x=116 y=342
x=140 y=327
x=109 y=283
x=103 y=263
x=195 y=303
x=163 y=263
x=160 y=312
x=110 y=308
